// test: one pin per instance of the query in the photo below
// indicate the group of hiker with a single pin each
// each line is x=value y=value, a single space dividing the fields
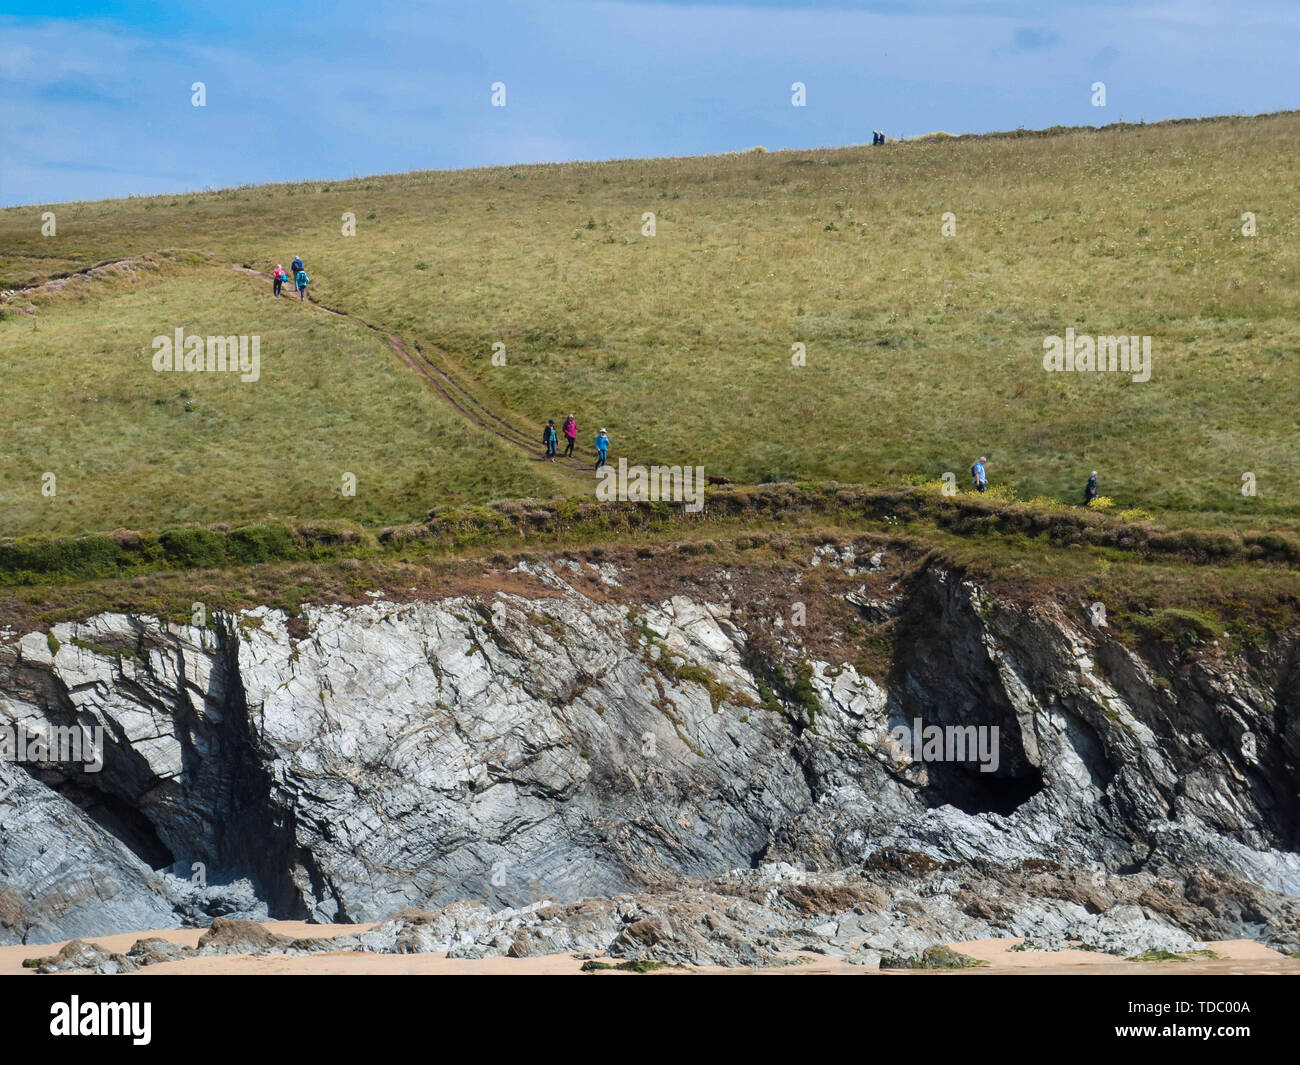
x=981 y=478
x=551 y=435
x=551 y=440
x=877 y=137
x=299 y=277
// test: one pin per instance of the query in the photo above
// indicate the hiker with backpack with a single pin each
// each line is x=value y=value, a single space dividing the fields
x=278 y=278
x=301 y=279
x=296 y=265
x=1090 y=489
x=979 y=475
x=551 y=439
x=602 y=448
x=570 y=434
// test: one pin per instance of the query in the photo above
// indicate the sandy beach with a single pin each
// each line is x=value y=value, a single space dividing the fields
x=1238 y=956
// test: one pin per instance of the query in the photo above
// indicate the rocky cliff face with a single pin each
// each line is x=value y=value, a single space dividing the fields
x=537 y=747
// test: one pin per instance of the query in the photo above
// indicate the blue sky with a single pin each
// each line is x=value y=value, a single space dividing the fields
x=95 y=98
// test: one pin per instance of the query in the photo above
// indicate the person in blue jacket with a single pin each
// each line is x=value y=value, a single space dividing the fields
x=301 y=279
x=980 y=475
x=602 y=448
x=551 y=439
x=1090 y=489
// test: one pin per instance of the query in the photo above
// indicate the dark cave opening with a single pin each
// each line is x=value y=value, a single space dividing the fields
x=973 y=792
x=120 y=819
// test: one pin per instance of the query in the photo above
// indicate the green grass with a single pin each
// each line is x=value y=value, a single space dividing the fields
x=922 y=352
x=1169 y=955
x=131 y=447
x=1254 y=602
x=627 y=966
x=933 y=958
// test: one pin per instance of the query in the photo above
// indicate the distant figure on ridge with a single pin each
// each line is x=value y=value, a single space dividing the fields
x=551 y=439
x=570 y=433
x=1090 y=489
x=602 y=448
x=979 y=474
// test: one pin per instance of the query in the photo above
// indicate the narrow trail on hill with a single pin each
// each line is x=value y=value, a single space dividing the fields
x=441 y=378
x=455 y=394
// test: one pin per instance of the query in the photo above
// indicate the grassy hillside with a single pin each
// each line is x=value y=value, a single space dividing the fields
x=131 y=447
x=923 y=351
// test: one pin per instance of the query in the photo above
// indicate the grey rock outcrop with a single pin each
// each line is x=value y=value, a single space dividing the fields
x=534 y=751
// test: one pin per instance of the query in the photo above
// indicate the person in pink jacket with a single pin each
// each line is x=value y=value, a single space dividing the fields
x=278 y=278
x=570 y=433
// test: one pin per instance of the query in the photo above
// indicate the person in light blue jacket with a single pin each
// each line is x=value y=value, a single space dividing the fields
x=602 y=448
x=980 y=475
